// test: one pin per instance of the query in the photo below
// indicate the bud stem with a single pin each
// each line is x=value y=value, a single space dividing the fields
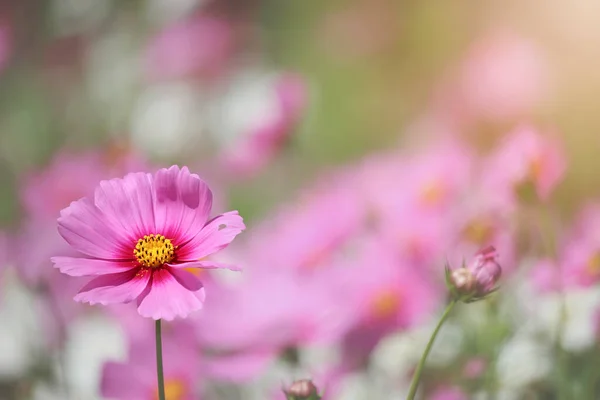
x=417 y=375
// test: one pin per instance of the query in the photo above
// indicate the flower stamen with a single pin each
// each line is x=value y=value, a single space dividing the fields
x=154 y=251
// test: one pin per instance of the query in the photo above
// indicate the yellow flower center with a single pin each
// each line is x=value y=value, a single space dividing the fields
x=154 y=250
x=385 y=304
x=478 y=231
x=536 y=167
x=593 y=265
x=175 y=389
x=432 y=193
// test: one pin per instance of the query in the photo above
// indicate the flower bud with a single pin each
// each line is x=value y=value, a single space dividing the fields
x=302 y=389
x=478 y=279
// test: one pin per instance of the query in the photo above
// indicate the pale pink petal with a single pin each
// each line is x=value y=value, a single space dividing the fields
x=206 y=265
x=125 y=382
x=171 y=293
x=122 y=287
x=182 y=203
x=127 y=203
x=84 y=266
x=84 y=227
x=240 y=367
x=216 y=235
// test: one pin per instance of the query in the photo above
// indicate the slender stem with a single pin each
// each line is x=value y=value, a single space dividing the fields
x=159 y=362
x=417 y=376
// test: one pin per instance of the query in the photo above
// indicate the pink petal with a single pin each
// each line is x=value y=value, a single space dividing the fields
x=84 y=227
x=216 y=235
x=241 y=367
x=124 y=382
x=122 y=287
x=127 y=204
x=206 y=265
x=182 y=203
x=171 y=293
x=84 y=266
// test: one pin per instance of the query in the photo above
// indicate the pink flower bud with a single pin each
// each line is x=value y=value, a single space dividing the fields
x=302 y=389
x=485 y=270
x=463 y=280
x=477 y=279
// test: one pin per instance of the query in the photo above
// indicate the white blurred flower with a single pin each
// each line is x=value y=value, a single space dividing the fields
x=361 y=386
x=579 y=331
x=244 y=105
x=19 y=334
x=113 y=73
x=522 y=360
x=397 y=354
x=167 y=119
x=93 y=340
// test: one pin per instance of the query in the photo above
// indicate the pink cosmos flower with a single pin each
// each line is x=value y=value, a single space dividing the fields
x=526 y=156
x=475 y=367
x=275 y=312
x=136 y=379
x=478 y=221
x=138 y=234
x=44 y=192
x=448 y=393
x=268 y=133
x=503 y=76
x=578 y=266
x=578 y=261
x=413 y=215
x=385 y=294
x=201 y=45
x=290 y=239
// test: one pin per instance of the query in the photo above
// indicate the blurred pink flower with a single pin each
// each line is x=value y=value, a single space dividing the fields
x=44 y=192
x=385 y=294
x=273 y=312
x=70 y=176
x=479 y=220
x=413 y=197
x=312 y=231
x=526 y=156
x=136 y=379
x=448 y=393
x=503 y=76
x=197 y=46
x=546 y=276
x=431 y=179
x=263 y=141
x=578 y=266
x=578 y=260
x=474 y=367
x=138 y=234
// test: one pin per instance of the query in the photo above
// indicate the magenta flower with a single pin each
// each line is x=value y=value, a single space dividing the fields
x=139 y=234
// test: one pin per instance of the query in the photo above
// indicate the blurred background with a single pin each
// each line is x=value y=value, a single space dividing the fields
x=365 y=142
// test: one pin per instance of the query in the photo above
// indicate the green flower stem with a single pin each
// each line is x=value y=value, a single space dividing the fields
x=417 y=376
x=159 y=362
